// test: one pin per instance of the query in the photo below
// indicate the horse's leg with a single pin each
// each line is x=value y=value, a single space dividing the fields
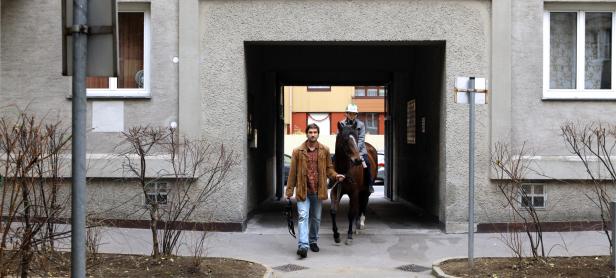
x=359 y=220
x=353 y=214
x=363 y=205
x=332 y=211
x=364 y=195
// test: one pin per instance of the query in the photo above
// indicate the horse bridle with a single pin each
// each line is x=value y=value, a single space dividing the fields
x=347 y=178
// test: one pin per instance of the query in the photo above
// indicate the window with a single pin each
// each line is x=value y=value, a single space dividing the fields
x=577 y=50
x=156 y=193
x=133 y=53
x=533 y=195
x=320 y=119
x=371 y=120
x=369 y=91
x=319 y=88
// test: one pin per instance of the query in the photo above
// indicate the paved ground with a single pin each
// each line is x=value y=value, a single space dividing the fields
x=396 y=236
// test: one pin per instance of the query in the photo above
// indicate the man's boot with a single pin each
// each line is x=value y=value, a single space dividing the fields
x=302 y=252
x=314 y=247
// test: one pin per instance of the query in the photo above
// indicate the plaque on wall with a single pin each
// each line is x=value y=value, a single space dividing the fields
x=411 y=122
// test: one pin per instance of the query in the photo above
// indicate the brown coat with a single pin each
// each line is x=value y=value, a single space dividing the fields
x=299 y=167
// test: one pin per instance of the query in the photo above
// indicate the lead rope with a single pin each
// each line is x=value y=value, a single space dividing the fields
x=288 y=212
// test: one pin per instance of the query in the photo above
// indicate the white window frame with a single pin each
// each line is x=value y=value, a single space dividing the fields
x=113 y=91
x=580 y=92
x=156 y=185
x=532 y=195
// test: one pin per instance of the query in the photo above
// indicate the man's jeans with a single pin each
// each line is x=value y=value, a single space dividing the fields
x=309 y=217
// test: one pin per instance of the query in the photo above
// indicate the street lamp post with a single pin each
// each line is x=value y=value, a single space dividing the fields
x=92 y=51
x=78 y=162
x=471 y=171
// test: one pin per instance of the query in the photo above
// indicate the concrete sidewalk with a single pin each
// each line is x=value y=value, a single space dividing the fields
x=396 y=237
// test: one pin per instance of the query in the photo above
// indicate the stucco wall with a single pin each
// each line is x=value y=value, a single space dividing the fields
x=32 y=66
x=31 y=77
x=30 y=71
x=463 y=25
x=535 y=123
x=30 y=63
x=116 y=199
x=565 y=202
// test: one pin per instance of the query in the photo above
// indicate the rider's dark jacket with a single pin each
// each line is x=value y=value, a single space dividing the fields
x=299 y=168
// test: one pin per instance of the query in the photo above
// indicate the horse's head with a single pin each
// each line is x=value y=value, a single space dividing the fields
x=346 y=143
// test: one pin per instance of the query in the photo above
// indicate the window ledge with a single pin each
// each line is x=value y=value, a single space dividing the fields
x=369 y=97
x=544 y=208
x=579 y=95
x=116 y=94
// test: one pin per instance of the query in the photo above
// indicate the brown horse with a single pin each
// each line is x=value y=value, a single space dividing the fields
x=347 y=161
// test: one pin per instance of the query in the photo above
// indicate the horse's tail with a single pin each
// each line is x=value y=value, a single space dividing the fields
x=372 y=156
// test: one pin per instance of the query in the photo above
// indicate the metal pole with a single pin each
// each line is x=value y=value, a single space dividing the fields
x=613 y=212
x=78 y=164
x=471 y=172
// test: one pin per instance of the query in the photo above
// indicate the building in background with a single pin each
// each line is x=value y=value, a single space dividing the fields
x=325 y=105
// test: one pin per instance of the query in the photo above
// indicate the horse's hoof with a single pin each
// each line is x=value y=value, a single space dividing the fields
x=337 y=239
x=349 y=241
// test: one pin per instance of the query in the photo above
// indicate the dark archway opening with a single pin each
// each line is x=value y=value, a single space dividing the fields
x=413 y=73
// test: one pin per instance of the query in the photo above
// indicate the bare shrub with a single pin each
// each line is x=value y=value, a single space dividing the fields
x=510 y=168
x=198 y=170
x=197 y=249
x=139 y=144
x=93 y=239
x=514 y=241
x=594 y=144
x=31 y=163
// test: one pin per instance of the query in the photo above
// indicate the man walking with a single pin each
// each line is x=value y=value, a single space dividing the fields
x=311 y=165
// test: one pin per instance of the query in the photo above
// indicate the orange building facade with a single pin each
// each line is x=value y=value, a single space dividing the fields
x=325 y=105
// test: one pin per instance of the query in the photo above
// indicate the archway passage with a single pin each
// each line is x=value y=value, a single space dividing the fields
x=413 y=73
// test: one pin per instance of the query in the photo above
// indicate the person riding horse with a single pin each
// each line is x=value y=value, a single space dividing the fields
x=348 y=161
x=352 y=120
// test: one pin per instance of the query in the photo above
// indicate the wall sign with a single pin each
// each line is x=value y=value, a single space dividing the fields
x=107 y=116
x=411 y=122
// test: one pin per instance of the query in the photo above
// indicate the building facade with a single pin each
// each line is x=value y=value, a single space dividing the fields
x=217 y=68
x=325 y=106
